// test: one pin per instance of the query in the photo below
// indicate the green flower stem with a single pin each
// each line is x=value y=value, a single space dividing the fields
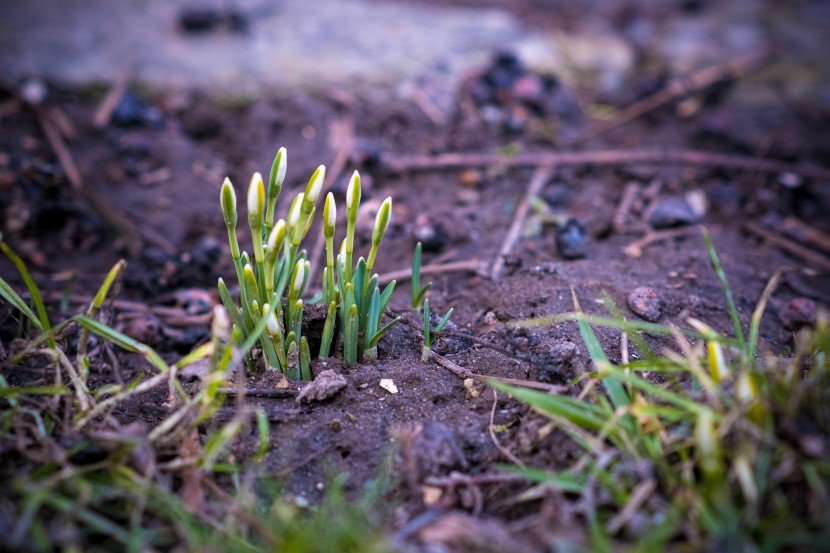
x=328 y=330
x=352 y=206
x=305 y=359
x=350 y=336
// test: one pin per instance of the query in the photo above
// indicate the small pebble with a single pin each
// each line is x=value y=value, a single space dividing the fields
x=327 y=384
x=644 y=302
x=132 y=111
x=389 y=385
x=671 y=212
x=570 y=239
x=430 y=234
x=797 y=313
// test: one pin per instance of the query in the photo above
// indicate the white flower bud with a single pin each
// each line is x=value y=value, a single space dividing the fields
x=316 y=185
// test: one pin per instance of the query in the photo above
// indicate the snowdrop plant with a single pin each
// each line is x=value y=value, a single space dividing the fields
x=355 y=293
x=279 y=267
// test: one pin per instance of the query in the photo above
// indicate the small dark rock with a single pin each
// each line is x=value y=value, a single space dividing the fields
x=671 y=212
x=726 y=199
x=202 y=20
x=430 y=234
x=554 y=361
x=797 y=313
x=206 y=253
x=132 y=111
x=146 y=328
x=556 y=195
x=644 y=302
x=570 y=239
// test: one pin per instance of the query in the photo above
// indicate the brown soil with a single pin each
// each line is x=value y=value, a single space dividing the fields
x=166 y=180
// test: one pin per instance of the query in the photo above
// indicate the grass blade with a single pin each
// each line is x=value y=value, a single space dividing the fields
x=727 y=291
x=123 y=341
x=619 y=397
x=34 y=291
x=8 y=293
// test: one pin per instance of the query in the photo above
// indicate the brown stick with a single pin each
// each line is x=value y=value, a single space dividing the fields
x=677 y=88
x=797 y=228
x=661 y=156
x=107 y=106
x=114 y=217
x=471 y=265
x=635 y=249
x=812 y=258
x=534 y=188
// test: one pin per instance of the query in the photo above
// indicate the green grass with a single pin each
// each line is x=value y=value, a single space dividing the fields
x=73 y=478
x=720 y=436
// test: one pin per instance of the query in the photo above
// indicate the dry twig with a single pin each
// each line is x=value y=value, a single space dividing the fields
x=534 y=188
x=677 y=88
x=815 y=259
x=657 y=156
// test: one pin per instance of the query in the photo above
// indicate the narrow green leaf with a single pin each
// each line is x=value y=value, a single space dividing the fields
x=443 y=322
x=18 y=303
x=615 y=389
x=727 y=291
x=122 y=340
x=34 y=291
x=383 y=330
x=264 y=431
x=33 y=391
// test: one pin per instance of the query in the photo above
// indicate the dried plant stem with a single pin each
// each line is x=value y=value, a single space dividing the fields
x=657 y=156
x=534 y=188
x=815 y=259
x=676 y=89
x=471 y=265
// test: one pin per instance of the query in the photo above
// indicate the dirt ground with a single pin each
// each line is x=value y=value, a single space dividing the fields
x=156 y=167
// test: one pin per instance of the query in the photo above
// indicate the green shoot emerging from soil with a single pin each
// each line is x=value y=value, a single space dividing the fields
x=279 y=264
x=418 y=293
x=705 y=447
x=431 y=331
x=355 y=293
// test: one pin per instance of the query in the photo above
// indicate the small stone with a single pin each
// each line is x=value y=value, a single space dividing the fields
x=644 y=302
x=570 y=239
x=282 y=383
x=470 y=178
x=327 y=384
x=431 y=495
x=671 y=212
x=797 y=313
x=471 y=388
x=430 y=234
x=389 y=385
x=132 y=111
x=555 y=195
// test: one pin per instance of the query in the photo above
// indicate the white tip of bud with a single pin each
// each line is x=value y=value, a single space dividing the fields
x=330 y=210
x=221 y=325
x=294 y=214
x=299 y=276
x=384 y=216
x=283 y=153
x=256 y=194
x=316 y=184
x=276 y=232
x=271 y=323
x=353 y=191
